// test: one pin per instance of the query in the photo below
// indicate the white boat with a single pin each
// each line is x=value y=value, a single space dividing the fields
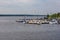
x=24 y=22
x=53 y=22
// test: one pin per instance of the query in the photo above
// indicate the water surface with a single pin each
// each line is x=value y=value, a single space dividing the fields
x=11 y=30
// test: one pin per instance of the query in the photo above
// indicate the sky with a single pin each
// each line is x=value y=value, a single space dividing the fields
x=39 y=7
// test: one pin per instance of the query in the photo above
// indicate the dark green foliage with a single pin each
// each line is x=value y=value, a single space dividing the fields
x=47 y=16
x=55 y=15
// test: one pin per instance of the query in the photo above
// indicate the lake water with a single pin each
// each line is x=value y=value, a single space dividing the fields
x=11 y=30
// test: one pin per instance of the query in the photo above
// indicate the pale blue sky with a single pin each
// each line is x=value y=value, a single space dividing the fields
x=29 y=6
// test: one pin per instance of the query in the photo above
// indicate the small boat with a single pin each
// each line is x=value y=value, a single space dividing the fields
x=53 y=22
x=19 y=20
x=22 y=21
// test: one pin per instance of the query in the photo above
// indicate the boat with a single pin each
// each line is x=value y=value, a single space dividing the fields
x=53 y=21
x=21 y=21
x=33 y=22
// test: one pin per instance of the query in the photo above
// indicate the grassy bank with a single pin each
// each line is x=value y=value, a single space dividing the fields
x=54 y=16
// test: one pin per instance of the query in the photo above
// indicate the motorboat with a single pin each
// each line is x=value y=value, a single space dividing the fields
x=53 y=22
x=22 y=21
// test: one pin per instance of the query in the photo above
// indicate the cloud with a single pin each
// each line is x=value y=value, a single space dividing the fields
x=3 y=2
x=18 y=11
x=28 y=6
x=24 y=1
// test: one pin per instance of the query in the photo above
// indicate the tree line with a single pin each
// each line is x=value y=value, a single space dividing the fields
x=55 y=16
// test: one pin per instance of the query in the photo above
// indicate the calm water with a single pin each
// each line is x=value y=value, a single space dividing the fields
x=11 y=30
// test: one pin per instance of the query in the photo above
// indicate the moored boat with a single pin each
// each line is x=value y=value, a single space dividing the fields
x=53 y=21
x=20 y=21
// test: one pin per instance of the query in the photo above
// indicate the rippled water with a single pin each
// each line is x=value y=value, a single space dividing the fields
x=11 y=30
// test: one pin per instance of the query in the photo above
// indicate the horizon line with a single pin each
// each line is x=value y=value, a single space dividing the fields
x=20 y=15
